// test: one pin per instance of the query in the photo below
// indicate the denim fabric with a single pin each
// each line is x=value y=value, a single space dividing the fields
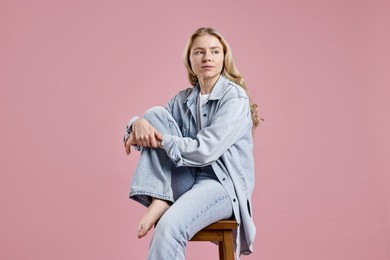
x=198 y=197
x=205 y=203
x=225 y=144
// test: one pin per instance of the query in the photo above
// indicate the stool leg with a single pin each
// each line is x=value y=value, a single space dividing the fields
x=221 y=250
x=228 y=247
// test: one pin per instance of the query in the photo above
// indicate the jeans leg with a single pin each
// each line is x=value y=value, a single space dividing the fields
x=155 y=175
x=206 y=203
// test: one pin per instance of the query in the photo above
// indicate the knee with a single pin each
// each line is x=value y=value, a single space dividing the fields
x=154 y=112
x=168 y=228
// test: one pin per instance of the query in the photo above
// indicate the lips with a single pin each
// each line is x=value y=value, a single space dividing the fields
x=207 y=67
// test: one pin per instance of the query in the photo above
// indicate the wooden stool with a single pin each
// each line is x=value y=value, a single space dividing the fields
x=221 y=232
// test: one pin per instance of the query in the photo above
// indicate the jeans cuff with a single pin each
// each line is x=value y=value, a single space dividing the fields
x=145 y=197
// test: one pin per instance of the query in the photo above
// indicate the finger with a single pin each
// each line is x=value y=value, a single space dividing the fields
x=159 y=137
x=148 y=141
x=138 y=139
x=129 y=143
x=127 y=148
x=141 y=141
x=153 y=143
x=145 y=141
x=126 y=141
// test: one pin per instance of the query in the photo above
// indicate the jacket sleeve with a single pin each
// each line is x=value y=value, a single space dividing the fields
x=228 y=125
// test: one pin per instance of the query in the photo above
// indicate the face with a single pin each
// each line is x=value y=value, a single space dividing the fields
x=206 y=57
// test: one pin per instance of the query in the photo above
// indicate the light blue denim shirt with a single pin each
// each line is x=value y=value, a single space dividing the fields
x=225 y=143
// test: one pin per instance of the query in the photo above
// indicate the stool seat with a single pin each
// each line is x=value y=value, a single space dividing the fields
x=221 y=232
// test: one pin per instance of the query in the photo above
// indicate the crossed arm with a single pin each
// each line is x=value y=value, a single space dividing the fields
x=143 y=134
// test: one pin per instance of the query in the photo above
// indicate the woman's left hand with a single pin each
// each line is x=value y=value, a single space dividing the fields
x=145 y=134
x=129 y=142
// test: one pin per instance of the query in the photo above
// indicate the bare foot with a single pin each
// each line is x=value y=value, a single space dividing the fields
x=155 y=210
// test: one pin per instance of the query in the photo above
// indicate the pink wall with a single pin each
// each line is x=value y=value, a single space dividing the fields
x=73 y=72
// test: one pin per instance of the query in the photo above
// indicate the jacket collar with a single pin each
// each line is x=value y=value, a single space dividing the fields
x=215 y=94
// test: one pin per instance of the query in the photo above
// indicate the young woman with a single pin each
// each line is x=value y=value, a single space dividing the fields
x=196 y=164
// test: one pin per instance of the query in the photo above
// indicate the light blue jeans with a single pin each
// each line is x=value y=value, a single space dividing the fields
x=198 y=199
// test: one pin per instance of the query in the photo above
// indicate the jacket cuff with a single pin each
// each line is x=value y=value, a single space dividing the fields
x=170 y=147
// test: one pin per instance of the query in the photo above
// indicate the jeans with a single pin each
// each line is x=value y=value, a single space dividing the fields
x=198 y=198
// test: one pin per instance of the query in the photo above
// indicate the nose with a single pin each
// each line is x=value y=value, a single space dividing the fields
x=206 y=57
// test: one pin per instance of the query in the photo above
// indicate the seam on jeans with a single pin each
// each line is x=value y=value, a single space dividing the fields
x=203 y=211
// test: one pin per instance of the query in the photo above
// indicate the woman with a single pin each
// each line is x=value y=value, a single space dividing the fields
x=196 y=165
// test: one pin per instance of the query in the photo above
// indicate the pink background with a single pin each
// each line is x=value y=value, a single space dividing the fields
x=73 y=72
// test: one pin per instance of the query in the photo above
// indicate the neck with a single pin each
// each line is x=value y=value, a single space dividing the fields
x=207 y=85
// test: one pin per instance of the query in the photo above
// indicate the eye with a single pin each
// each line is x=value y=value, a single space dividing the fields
x=198 y=52
x=215 y=52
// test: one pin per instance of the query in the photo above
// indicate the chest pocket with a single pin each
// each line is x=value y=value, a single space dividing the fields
x=188 y=127
x=189 y=130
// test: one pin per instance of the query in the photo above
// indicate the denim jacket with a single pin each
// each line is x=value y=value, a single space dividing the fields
x=225 y=143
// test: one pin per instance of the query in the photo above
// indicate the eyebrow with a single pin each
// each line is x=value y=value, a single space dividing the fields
x=213 y=47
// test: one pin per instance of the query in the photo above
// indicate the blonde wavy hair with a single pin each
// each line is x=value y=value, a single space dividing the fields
x=229 y=68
